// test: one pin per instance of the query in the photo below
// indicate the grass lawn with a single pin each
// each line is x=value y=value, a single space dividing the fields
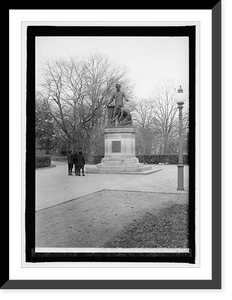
x=166 y=229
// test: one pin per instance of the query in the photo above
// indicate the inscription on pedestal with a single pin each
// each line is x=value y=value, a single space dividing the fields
x=116 y=146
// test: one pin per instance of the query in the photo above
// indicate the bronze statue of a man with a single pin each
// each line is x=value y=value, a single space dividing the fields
x=118 y=96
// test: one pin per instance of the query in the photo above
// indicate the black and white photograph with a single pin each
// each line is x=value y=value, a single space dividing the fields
x=115 y=149
x=114 y=143
x=115 y=175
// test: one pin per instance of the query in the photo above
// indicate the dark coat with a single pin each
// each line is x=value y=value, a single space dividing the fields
x=70 y=158
x=75 y=158
x=80 y=160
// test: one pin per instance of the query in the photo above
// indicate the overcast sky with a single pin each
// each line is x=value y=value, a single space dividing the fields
x=148 y=60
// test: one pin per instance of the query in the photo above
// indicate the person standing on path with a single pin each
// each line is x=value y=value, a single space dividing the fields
x=118 y=96
x=70 y=162
x=80 y=163
x=75 y=162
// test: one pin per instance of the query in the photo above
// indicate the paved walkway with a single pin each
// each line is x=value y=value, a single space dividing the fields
x=54 y=186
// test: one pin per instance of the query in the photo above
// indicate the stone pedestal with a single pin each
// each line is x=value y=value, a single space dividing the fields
x=120 y=151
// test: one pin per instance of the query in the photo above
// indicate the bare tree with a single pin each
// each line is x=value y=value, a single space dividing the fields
x=77 y=91
x=144 y=121
x=157 y=121
x=166 y=115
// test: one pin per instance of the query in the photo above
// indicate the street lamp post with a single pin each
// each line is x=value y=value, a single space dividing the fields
x=180 y=102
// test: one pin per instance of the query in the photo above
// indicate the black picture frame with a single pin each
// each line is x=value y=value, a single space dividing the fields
x=215 y=282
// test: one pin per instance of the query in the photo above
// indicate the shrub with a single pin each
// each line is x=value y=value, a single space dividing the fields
x=42 y=161
x=171 y=159
x=97 y=158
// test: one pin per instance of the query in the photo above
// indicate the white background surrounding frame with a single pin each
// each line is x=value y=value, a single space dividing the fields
x=123 y=271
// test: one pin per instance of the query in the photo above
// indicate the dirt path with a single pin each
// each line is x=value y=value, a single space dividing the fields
x=96 y=219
